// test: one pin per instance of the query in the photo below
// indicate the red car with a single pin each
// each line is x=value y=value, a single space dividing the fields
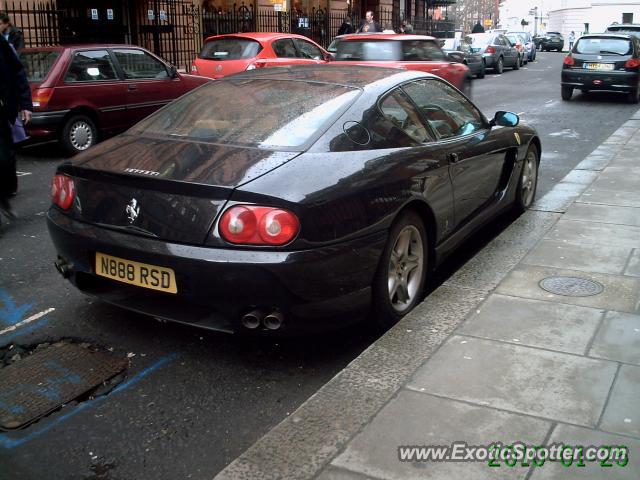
x=83 y=92
x=224 y=55
x=411 y=52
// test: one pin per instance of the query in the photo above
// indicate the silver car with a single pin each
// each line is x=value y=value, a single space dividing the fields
x=529 y=44
x=496 y=49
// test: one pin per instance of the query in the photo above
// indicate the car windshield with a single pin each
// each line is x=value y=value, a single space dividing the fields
x=230 y=49
x=38 y=64
x=257 y=112
x=526 y=36
x=513 y=39
x=599 y=45
x=374 y=50
x=480 y=40
x=449 y=44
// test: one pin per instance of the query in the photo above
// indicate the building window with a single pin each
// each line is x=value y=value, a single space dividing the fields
x=627 y=18
x=586 y=28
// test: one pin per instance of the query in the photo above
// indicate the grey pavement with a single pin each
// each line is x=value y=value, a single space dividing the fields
x=491 y=356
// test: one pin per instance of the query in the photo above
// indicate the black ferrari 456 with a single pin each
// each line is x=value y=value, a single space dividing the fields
x=288 y=200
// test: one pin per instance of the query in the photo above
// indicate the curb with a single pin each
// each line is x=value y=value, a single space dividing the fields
x=306 y=441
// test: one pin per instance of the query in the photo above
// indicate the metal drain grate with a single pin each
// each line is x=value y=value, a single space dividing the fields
x=49 y=378
x=571 y=286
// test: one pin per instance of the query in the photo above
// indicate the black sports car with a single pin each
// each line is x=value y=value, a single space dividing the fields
x=288 y=199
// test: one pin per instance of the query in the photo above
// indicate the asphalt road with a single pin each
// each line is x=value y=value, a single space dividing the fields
x=192 y=401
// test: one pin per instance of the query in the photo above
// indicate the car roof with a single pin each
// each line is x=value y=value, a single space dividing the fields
x=86 y=46
x=384 y=36
x=624 y=25
x=625 y=36
x=258 y=36
x=360 y=77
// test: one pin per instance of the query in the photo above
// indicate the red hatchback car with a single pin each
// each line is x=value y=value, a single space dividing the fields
x=224 y=55
x=83 y=92
x=411 y=52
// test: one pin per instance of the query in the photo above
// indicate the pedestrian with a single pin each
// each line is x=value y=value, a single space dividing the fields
x=477 y=28
x=15 y=102
x=11 y=34
x=346 y=27
x=369 y=25
x=572 y=38
x=406 y=27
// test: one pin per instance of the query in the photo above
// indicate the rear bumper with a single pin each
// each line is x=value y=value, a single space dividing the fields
x=315 y=290
x=44 y=124
x=594 y=80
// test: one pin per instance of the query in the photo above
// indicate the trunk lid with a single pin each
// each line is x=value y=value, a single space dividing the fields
x=167 y=189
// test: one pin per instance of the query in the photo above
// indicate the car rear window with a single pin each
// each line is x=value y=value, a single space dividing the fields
x=264 y=113
x=480 y=40
x=603 y=45
x=230 y=49
x=371 y=50
x=38 y=64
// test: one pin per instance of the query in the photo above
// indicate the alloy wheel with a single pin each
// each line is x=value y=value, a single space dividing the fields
x=529 y=179
x=406 y=264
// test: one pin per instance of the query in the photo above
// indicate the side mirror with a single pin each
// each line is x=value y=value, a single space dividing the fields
x=173 y=71
x=329 y=57
x=505 y=119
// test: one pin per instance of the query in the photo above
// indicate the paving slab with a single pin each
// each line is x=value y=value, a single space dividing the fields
x=545 y=384
x=622 y=414
x=591 y=233
x=589 y=258
x=610 y=197
x=604 y=214
x=621 y=293
x=560 y=197
x=417 y=419
x=623 y=179
x=633 y=268
x=554 y=326
x=581 y=177
x=618 y=339
x=594 y=162
x=570 y=435
x=486 y=269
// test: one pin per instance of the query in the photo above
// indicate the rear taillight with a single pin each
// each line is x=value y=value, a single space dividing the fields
x=632 y=63
x=254 y=225
x=41 y=97
x=569 y=61
x=490 y=50
x=63 y=191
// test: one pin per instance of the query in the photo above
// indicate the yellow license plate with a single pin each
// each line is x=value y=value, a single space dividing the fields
x=599 y=66
x=136 y=273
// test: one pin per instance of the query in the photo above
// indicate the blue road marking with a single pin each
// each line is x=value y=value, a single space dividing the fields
x=6 y=441
x=10 y=313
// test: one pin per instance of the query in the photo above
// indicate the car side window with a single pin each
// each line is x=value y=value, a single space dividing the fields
x=90 y=66
x=448 y=113
x=138 y=64
x=421 y=50
x=308 y=50
x=284 y=48
x=399 y=110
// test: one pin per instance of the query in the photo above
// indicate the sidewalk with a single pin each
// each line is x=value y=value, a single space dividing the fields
x=492 y=356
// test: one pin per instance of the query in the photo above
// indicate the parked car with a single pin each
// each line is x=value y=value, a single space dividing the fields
x=224 y=55
x=496 y=49
x=630 y=28
x=459 y=50
x=603 y=62
x=518 y=42
x=552 y=41
x=529 y=44
x=411 y=52
x=288 y=199
x=81 y=93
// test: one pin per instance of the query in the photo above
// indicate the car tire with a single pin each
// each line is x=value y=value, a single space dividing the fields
x=499 y=67
x=528 y=182
x=483 y=70
x=78 y=134
x=566 y=92
x=634 y=96
x=466 y=87
x=516 y=65
x=399 y=281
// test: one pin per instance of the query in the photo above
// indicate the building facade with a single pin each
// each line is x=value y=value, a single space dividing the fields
x=586 y=16
x=470 y=12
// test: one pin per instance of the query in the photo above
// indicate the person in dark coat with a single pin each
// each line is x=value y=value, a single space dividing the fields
x=477 y=28
x=346 y=26
x=11 y=34
x=15 y=100
x=369 y=25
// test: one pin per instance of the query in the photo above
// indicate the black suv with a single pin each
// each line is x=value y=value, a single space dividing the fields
x=551 y=41
x=630 y=28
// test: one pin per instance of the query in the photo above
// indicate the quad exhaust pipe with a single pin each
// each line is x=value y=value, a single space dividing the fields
x=255 y=318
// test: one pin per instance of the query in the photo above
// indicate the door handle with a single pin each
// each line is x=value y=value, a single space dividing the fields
x=453 y=157
x=132 y=87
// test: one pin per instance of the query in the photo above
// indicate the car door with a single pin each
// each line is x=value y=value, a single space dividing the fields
x=510 y=52
x=148 y=82
x=475 y=162
x=308 y=51
x=92 y=81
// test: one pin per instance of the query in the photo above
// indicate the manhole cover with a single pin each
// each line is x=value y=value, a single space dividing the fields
x=42 y=382
x=571 y=286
